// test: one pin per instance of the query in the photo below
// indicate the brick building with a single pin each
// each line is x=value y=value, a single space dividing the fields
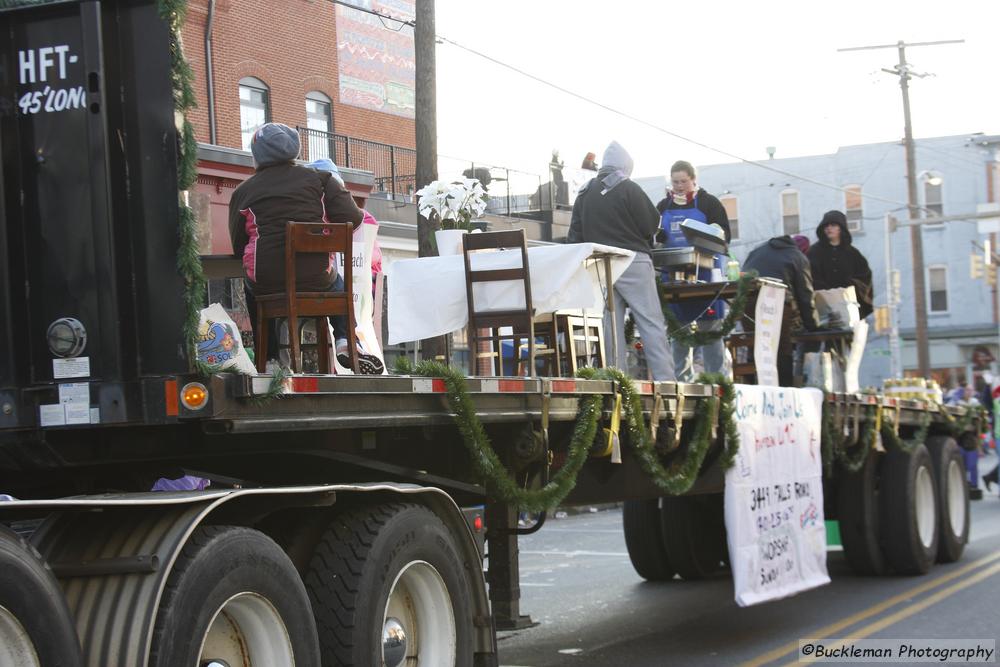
x=284 y=61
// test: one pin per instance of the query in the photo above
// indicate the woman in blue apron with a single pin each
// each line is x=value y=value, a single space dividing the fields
x=687 y=201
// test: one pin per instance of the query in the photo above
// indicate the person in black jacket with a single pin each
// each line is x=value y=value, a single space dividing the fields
x=280 y=192
x=781 y=258
x=837 y=263
x=613 y=210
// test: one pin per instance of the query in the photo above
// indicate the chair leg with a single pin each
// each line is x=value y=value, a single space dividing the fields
x=470 y=336
x=260 y=341
x=323 y=345
x=293 y=341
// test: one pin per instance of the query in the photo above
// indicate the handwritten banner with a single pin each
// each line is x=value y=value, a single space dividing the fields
x=774 y=494
x=767 y=332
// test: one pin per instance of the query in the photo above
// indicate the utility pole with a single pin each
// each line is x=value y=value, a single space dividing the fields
x=902 y=70
x=425 y=81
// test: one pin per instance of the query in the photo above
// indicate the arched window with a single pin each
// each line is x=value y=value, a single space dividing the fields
x=255 y=107
x=319 y=120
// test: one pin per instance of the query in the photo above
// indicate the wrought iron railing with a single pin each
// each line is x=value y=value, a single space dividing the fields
x=510 y=191
x=394 y=167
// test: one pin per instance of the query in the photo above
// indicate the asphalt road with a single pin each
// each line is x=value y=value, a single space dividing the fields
x=593 y=609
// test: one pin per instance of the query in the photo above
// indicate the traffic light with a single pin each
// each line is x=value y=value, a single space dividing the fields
x=976 y=266
x=882 y=323
x=991 y=274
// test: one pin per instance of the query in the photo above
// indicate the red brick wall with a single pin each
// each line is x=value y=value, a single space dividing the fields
x=290 y=45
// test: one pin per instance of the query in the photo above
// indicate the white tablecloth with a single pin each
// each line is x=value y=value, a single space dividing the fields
x=427 y=295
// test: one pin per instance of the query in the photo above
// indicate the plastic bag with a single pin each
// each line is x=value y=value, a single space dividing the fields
x=838 y=308
x=219 y=342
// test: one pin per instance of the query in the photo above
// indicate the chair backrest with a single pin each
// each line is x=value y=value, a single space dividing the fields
x=318 y=237
x=503 y=240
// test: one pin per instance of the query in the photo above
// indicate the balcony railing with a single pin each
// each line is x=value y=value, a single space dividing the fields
x=395 y=168
x=511 y=192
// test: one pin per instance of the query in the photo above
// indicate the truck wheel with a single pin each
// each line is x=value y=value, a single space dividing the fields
x=953 y=497
x=234 y=598
x=858 y=514
x=908 y=511
x=36 y=629
x=693 y=534
x=644 y=540
x=388 y=587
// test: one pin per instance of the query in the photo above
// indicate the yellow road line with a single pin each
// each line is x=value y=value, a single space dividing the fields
x=827 y=631
x=917 y=607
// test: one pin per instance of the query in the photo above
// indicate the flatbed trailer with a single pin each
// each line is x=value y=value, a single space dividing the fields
x=333 y=531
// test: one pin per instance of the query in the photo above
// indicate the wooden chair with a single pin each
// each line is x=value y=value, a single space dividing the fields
x=319 y=238
x=485 y=325
x=580 y=333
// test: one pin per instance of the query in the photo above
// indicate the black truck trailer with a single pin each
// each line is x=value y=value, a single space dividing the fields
x=332 y=532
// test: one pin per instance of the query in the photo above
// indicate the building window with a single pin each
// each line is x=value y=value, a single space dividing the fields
x=790 y=212
x=932 y=195
x=937 y=286
x=319 y=120
x=255 y=107
x=852 y=207
x=732 y=212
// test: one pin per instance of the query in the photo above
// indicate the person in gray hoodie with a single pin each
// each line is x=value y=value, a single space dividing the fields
x=613 y=210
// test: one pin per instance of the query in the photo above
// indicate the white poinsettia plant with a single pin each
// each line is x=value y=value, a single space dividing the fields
x=453 y=203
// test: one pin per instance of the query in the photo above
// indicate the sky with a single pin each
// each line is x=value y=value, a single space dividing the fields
x=736 y=76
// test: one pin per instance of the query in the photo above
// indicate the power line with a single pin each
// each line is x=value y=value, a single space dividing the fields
x=380 y=15
x=653 y=126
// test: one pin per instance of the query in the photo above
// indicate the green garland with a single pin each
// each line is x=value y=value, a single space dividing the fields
x=485 y=462
x=890 y=436
x=188 y=258
x=854 y=461
x=957 y=427
x=674 y=480
x=682 y=333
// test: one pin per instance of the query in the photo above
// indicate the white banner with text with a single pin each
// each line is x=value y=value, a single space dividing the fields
x=774 y=494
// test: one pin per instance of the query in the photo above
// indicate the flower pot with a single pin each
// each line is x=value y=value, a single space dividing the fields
x=449 y=241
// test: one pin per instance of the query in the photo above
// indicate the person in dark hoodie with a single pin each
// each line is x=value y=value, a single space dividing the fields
x=613 y=210
x=837 y=263
x=781 y=258
x=281 y=191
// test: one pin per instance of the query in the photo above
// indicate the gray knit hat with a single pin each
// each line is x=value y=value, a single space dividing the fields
x=274 y=143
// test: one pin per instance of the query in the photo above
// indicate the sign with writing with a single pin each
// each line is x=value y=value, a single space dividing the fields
x=767 y=332
x=376 y=56
x=774 y=494
x=45 y=76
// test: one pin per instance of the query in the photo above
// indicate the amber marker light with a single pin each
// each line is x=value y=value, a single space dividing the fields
x=194 y=396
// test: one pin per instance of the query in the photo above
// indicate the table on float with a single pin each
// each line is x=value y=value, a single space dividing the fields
x=427 y=295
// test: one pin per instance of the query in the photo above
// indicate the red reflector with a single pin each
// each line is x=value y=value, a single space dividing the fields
x=477 y=523
x=437 y=386
x=645 y=387
x=170 y=397
x=511 y=385
x=305 y=385
x=564 y=386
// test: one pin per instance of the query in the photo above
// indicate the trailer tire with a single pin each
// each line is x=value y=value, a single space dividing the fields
x=35 y=624
x=858 y=515
x=385 y=573
x=953 y=497
x=693 y=534
x=908 y=511
x=239 y=593
x=644 y=540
